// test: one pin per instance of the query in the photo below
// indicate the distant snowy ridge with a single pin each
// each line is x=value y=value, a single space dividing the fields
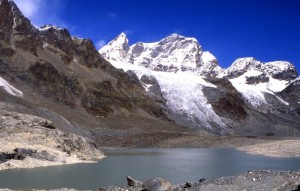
x=254 y=79
x=9 y=88
x=281 y=70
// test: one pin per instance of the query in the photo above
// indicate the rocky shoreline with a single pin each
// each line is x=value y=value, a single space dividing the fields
x=249 y=181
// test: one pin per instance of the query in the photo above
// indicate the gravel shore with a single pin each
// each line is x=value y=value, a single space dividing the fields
x=277 y=148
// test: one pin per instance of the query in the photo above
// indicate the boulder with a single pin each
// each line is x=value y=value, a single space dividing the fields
x=133 y=182
x=157 y=184
x=297 y=188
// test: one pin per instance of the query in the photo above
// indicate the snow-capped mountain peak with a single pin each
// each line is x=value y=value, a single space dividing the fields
x=241 y=66
x=116 y=49
x=171 y=54
x=281 y=70
x=255 y=79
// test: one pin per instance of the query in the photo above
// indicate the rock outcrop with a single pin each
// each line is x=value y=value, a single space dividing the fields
x=29 y=141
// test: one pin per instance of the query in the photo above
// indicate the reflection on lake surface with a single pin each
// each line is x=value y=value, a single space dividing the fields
x=175 y=165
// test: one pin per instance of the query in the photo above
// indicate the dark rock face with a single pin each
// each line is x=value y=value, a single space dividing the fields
x=289 y=72
x=257 y=79
x=137 y=49
x=87 y=53
x=59 y=38
x=52 y=83
x=225 y=100
x=292 y=92
x=9 y=156
x=6 y=21
x=155 y=92
x=133 y=78
x=18 y=154
x=16 y=29
x=154 y=87
x=149 y=80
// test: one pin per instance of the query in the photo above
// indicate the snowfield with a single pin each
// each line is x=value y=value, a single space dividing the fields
x=254 y=93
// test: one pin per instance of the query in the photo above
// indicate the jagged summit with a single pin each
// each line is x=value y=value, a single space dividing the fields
x=117 y=48
x=121 y=39
x=176 y=37
x=171 y=54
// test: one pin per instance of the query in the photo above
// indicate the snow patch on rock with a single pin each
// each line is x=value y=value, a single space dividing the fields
x=9 y=88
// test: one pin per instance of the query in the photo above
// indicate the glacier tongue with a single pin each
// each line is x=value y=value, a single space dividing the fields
x=183 y=92
x=184 y=95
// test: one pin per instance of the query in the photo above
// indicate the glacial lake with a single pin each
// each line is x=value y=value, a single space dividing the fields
x=175 y=165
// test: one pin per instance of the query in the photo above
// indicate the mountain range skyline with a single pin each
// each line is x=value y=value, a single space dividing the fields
x=264 y=30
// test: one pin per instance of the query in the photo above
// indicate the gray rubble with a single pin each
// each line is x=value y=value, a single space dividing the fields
x=249 y=181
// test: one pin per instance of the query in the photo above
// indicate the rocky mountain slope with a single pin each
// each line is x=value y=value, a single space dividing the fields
x=48 y=73
x=248 y=98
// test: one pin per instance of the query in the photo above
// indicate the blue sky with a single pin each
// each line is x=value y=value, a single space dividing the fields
x=268 y=30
